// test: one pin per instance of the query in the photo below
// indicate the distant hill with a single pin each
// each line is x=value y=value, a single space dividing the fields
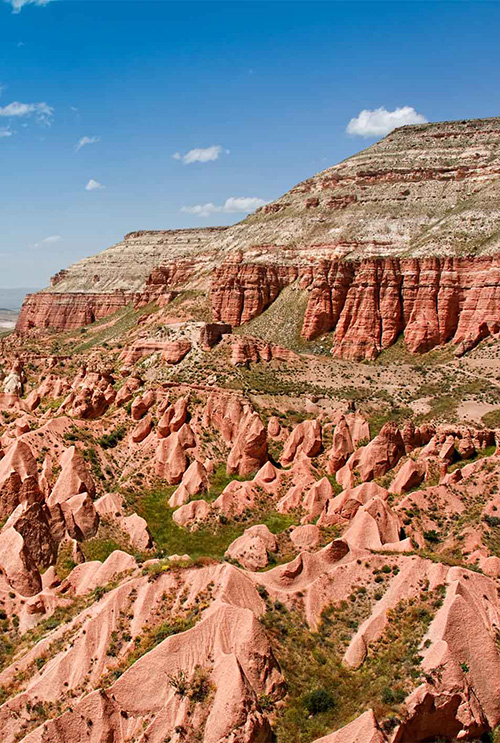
x=12 y=298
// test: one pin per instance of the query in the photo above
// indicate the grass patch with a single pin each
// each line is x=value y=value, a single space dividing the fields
x=488 y=451
x=209 y=540
x=65 y=563
x=100 y=549
x=398 y=353
x=115 y=327
x=277 y=522
x=492 y=420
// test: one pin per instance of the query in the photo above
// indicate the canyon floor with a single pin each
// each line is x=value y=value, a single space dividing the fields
x=209 y=536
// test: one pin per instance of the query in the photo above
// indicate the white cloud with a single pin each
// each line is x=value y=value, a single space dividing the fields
x=18 y=5
x=83 y=141
x=42 y=112
x=93 y=185
x=232 y=205
x=6 y=132
x=201 y=210
x=381 y=121
x=50 y=240
x=201 y=154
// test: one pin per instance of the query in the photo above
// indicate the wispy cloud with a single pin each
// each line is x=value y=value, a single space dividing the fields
x=201 y=154
x=380 y=121
x=84 y=141
x=93 y=185
x=50 y=240
x=6 y=132
x=42 y=112
x=232 y=205
x=18 y=5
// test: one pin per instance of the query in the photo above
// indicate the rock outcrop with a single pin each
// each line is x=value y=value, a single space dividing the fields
x=363 y=729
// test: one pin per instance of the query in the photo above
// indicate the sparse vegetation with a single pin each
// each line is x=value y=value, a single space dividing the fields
x=324 y=694
x=112 y=439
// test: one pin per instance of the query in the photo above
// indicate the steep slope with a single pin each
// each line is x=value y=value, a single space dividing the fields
x=400 y=238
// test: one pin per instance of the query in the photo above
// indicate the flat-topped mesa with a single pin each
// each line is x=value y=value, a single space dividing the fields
x=426 y=190
x=127 y=265
x=400 y=238
x=145 y=266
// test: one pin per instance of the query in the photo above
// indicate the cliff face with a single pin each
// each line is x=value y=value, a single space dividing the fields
x=368 y=304
x=68 y=311
x=400 y=238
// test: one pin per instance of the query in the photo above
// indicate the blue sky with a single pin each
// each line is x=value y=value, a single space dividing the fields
x=273 y=85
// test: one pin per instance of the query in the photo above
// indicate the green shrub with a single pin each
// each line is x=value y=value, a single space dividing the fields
x=491 y=520
x=432 y=536
x=112 y=439
x=317 y=701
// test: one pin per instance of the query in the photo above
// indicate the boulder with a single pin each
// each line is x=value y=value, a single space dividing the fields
x=111 y=507
x=171 y=460
x=447 y=450
x=344 y=506
x=224 y=412
x=73 y=479
x=18 y=478
x=16 y=564
x=305 y=438
x=142 y=429
x=274 y=427
x=126 y=391
x=342 y=447
x=358 y=428
x=269 y=478
x=249 y=450
x=194 y=481
x=33 y=400
x=251 y=549
x=173 y=418
x=374 y=459
x=409 y=476
x=80 y=516
x=306 y=537
x=174 y=351
x=236 y=498
x=373 y=526
x=315 y=500
x=142 y=404
x=32 y=522
x=192 y=513
x=137 y=530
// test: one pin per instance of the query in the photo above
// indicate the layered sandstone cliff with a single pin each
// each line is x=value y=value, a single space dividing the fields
x=400 y=238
